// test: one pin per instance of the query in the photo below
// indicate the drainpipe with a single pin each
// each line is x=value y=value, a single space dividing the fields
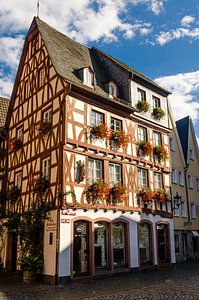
x=187 y=194
x=61 y=179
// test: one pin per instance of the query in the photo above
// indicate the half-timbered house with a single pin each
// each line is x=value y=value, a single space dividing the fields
x=97 y=132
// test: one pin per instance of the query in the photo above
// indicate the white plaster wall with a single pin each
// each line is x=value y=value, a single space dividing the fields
x=133 y=219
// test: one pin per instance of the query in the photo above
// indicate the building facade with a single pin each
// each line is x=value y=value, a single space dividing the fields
x=185 y=172
x=98 y=132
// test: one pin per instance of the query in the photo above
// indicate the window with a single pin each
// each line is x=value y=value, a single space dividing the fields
x=190 y=181
x=20 y=133
x=115 y=174
x=18 y=180
x=172 y=144
x=142 y=178
x=195 y=244
x=142 y=134
x=46 y=168
x=94 y=170
x=181 y=178
x=141 y=95
x=25 y=92
x=191 y=152
x=174 y=176
x=96 y=118
x=156 y=102
x=116 y=124
x=40 y=77
x=157 y=181
x=47 y=116
x=197 y=184
x=183 y=212
x=88 y=77
x=193 y=210
x=177 y=243
x=34 y=45
x=112 y=89
x=157 y=139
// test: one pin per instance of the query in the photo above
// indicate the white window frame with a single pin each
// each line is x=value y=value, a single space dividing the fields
x=181 y=178
x=112 y=90
x=94 y=166
x=174 y=176
x=141 y=94
x=19 y=133
x=141 y=134
x=47 y=116
x=190 y=181
x=193 y=210
x=116 y=124
x=97 y=118
x=46 y=168
x=142 y=178
x=157 y=138
x=88 y=77
x=156 y=102
x=158 y=181
x=115 y=174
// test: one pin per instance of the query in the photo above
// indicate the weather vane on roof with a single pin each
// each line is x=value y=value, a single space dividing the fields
x=37 y=8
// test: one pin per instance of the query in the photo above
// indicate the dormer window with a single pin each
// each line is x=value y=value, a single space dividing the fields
x=112 y=90
x=88 y=77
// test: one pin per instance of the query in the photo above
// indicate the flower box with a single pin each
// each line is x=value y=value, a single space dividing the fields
x=117 y=194
x=160 y=196
x=158 y=113
x=145 y=195
x=160 y=152
x=118 y=139
x=145 y=147
x=16 y=144
x=142 y=106
x=41 y=185
x=100 y=131
x=97 y=192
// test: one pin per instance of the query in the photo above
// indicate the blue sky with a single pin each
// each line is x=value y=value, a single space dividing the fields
x=159 y=38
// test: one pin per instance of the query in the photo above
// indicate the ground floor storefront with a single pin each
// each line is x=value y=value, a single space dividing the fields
x=186 y=245
x=102 y=242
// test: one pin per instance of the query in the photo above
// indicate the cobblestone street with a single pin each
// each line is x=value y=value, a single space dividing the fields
x=179 y=283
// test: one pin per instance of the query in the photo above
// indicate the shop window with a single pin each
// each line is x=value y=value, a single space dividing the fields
x=115 y=174
x=142 y=134
x=95 y=171
x=116 y=124
x=145 y=244
x=97 y=118
x=142 y=178
x=101 y=245
x=119 y=245
x=177 y=243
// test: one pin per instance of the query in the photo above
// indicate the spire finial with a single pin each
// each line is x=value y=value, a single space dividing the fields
x=37 y=8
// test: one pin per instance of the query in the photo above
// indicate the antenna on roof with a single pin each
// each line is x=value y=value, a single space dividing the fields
x=37 y=8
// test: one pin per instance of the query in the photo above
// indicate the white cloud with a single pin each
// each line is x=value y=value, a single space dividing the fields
x=6 y=86
x=187 y=20
x=156 y=6
x=165 y=37
x=183 y=87
x=10 y=50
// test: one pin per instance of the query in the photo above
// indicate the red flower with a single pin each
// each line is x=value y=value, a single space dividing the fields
x=118 y=139
x=100 y=131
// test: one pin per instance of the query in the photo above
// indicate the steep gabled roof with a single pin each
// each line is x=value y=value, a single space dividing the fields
x=184 y=127
x=4 y=104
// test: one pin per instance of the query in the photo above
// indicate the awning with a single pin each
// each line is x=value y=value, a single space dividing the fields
x=195 y=233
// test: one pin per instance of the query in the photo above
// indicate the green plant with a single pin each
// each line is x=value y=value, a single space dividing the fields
x=143 y=106
x=158 y=113
x=160 y=152
x=145 y=147
x=13 y=194
x=41 y=185
x=32 y=263
x=62 y=197
x=161 y=196
x=146 y=195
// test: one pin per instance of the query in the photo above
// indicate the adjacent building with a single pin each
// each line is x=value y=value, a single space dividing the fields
x=87 y=124
x=185 y=180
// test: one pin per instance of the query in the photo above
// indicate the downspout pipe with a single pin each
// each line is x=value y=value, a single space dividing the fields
x=187 y=194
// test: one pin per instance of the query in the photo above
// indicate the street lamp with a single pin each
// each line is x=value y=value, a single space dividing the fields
x=177 y=201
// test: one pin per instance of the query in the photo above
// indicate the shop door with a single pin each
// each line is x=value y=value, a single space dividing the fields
x=11 y=261
x=145 y=244
x=81 y=249
x=163 y=243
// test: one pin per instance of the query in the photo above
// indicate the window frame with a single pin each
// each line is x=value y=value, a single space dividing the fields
x=25 y=89
x=157 y=141
x=146 y=178
x=18 y=179
x=177 y=235
x=161 y=180
x=193 y=210
x=156 y=102
x=181 y=178
x=93 y=124
x=115 y=181
x=112 y=87
x=172 y=144
x=190 y=181
x=141 y=95
x=174 y=176
x=40 y=78
x=94 y=178
x=139 y=134
x=114 y=126
x=88 y=77
x=48 y=160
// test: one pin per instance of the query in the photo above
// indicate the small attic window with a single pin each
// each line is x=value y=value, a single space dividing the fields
x=88 y=77
x=112 y=90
